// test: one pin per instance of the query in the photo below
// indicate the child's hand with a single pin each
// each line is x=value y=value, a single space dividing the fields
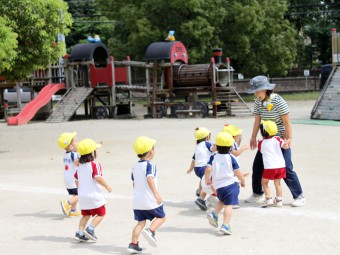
x=159 y=199
x=243 y=183
x=285 y=144
x=189 y=171
x=245 y=174
x=246 y=147
x=108 y=188
x=208 y=182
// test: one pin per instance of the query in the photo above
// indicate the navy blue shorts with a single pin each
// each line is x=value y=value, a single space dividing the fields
x=73 y=192
x=200 y=171
x=229 y=194
x=141 y=215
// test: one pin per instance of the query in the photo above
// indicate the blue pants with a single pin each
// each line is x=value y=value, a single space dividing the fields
x=291 y=179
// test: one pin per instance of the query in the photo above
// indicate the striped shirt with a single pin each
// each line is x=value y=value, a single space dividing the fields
x=280 y=107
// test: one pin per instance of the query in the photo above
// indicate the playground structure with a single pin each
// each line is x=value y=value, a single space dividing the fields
x=165 y=82
x=327 y=107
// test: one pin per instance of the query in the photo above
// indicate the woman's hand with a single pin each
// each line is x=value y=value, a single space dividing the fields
x=253 y=144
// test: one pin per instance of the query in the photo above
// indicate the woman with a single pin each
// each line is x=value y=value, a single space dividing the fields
x=271 y=106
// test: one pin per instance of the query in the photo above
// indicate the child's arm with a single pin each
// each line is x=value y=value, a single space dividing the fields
x=240 y=176
x=240 y=150
x=102 y=182
x=207 y=174
x=76 y=162
x=154 y=190
x=192 y=165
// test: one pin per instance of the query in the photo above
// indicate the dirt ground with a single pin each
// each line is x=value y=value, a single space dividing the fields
x=31 y=185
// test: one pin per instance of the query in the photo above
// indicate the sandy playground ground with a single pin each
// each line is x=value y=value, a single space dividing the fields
x=31 y=186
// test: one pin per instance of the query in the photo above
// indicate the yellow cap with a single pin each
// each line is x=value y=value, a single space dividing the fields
x=87 y=146
x=201 y=132
x=65 y=139
x=232 y=129
x=143 y=144
x=270 y=127
x=224 y=139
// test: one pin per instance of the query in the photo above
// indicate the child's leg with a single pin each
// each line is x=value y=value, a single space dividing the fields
x=278 y=188
x=83 y=221
x=266 y=188
x=200 y=186
x=96 y=220
x=137 y=230
x=156 y=223
x=203 y=194
x=218 y=207
x=73 y=202
x=227 y=214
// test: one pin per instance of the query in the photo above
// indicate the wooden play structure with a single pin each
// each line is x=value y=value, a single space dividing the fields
x=106 y=88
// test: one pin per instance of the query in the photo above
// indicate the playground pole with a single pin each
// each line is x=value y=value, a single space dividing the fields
x=334 y=47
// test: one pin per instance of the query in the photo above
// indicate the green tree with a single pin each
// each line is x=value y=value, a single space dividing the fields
x=8 y=46
x=139 y=23
x=258 y=38
x=87 y=21
x=313 y=20
x=254 y=34
x=37 y=24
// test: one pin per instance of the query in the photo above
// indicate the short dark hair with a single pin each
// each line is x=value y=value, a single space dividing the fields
x=223 y=149
x=269 y=92
x=87 y=158
x=200 y=140
x=264 y=133
x=143 y=155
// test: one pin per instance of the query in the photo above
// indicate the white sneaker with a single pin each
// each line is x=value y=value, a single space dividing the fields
x=254 y=198
x=278 y=203
x=236 y=206
x=300 y=201
x=267 y=203
x=213 y=199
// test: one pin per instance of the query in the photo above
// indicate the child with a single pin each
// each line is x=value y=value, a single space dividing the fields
x=273 y=161
x=147 y=203
x=68 y=142
x=91 y=199
x=236 y=133
x=203 y=151
x=223 y=167
x=236 y=149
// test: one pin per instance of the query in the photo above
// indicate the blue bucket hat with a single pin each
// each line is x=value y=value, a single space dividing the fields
x=260 y=83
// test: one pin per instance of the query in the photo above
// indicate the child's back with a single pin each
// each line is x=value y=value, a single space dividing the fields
x=143 y=197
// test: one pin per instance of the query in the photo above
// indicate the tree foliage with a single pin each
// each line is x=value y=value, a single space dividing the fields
x=8 y=46
x=252 y=33
x=313 y=20
x=87 y=21
x=37 y=24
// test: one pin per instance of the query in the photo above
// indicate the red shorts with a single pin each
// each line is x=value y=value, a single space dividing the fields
x=100 y=211
x=272 y=174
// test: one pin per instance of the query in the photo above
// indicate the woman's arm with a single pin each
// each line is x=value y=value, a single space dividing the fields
x=256 y=128
x=288 y=127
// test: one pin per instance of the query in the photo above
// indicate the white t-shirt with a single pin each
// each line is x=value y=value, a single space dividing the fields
x=202 y=154
x=70 y=169
x=143 y=198
x=89 y=190
x=223 y=167
x=271 y=152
